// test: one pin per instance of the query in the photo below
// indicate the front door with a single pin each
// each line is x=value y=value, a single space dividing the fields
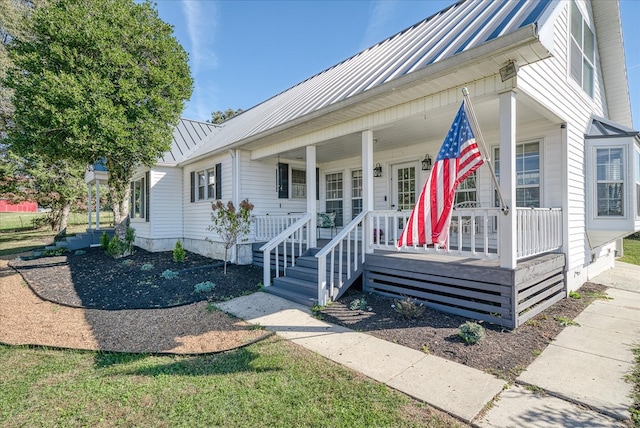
x=403 y=183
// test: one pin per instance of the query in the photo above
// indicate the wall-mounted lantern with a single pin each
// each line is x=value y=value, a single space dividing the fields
x=377 y=171
x=426 y=163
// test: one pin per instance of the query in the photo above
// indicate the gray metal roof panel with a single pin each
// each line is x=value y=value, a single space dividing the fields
x=458 y=28
x=600 y=127
x=188 y=135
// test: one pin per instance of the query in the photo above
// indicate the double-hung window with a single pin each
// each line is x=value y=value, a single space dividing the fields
x=356 y=193
x=206 y=184
x=582 y=51
x=467 y=191
x=298 y=183
x=527 y=174
x=139 y=202
x=609 y=181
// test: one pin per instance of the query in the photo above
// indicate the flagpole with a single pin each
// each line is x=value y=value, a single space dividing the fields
x=485 y=153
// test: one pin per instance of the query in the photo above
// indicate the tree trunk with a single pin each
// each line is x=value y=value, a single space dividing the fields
x=121 y=214
x=64 y=216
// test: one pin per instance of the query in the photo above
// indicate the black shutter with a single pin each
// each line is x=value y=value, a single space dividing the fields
x=132 y=200
x=317 y=184
x=147 y=195
x=193 y=186
x=283 y=180
x=218 y=181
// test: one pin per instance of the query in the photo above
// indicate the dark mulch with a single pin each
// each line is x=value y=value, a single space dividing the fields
x=504 y=353
x=95 y=280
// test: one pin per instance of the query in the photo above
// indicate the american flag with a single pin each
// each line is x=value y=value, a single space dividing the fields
x=458 y=158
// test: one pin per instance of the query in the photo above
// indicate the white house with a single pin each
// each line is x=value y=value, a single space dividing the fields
x=548 y=83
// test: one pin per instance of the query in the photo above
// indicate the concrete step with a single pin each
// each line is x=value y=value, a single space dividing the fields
x=302 y=298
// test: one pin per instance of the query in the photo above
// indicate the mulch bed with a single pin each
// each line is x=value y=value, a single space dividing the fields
x=92 y=279
x=504 y=353
x=95 y=280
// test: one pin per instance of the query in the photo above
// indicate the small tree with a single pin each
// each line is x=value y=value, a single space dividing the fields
x=229 y=224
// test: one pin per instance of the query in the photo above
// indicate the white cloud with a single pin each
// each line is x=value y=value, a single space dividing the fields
x=382 y=13
x=201 y=28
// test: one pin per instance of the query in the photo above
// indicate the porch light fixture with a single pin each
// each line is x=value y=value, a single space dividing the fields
x=377 y=171
x=426 y=163
x=508 y=71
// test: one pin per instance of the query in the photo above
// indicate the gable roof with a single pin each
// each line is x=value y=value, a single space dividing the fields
x=452 y=32
x=187 y=136
x=599 y=127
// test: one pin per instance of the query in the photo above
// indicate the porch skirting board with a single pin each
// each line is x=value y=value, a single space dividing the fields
x=474 y=289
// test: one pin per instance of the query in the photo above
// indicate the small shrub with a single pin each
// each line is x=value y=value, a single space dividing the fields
x=113 y=247
x=204 y=287
x=575 y=295
x=565 y=322
x=127 y=262
x=169 y=274
x=79 y=253
x=146 y=266
x=211 y=308
x=358 y=305
x=471 y=332
x=179 y=253
x=117 y=248
x=409 y=308
x=104 y=241
x=54 y=252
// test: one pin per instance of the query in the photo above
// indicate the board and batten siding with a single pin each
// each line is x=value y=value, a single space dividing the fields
x=550 y=83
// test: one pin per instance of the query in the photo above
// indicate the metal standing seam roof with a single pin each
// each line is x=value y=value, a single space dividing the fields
x=599 y=127
x=458 y=28
x=188 y=135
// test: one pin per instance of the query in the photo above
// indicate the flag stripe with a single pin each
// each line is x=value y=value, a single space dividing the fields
x=459 y=156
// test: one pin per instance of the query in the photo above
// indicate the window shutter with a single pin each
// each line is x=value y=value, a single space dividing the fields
x=147 y=196
x=193 y=186
x=218 y=181
x=317 y=184
x=132 y=200
x=283 y=180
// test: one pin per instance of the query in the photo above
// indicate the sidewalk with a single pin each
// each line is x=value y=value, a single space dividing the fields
x=584 y=367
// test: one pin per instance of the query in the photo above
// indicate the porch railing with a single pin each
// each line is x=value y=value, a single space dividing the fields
x=295 y=241
x=474 y=232
x=269 y=226
x=539 y=230
x=345 y=254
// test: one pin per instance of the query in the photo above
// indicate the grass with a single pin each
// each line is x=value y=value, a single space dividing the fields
x=18 y=235
x=270 y=383
x=631 y=249
x=634 y=378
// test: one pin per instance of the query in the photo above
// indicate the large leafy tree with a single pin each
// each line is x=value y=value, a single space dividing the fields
x=98 y=80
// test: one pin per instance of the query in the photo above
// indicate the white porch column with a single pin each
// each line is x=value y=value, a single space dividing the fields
x=311 y=194
x=89 y=204
x=97 y=204
x=235 y=192
x=367 y=185
x=507 y=223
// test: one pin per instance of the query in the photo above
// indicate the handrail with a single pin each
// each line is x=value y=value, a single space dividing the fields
x=538 y=230
x=354 y=256
x=291 y=234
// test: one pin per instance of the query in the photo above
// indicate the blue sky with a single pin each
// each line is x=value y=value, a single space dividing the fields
x=243 y=52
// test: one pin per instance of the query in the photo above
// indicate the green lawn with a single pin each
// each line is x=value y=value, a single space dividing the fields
x=271 y=383
x=631 y=251
x=17 y=233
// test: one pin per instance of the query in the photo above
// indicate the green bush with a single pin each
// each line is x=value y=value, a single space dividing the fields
x=170 y=274
x=104 y=241
x=204 y=287
x=471 y=332
x=178 y=252
x=409 y=308
x=117 y=248
x=358 y=304
x=146 y=266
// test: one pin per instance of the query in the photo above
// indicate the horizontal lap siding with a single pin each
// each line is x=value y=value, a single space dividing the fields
x=165 y=201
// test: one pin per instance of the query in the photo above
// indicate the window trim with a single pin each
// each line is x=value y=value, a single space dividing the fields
x=540 y=185
x=140 y=213
x=590 y=91
x=622 y=181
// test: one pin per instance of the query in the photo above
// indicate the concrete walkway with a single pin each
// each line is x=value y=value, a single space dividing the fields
x=581 y=373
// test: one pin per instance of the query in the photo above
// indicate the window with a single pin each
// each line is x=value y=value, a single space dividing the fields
x=139 y=202
x=467 y=190
x=201 y=187
x=211 y=183
x=206 y=184
x=582 y=51
x=527 y=174
x=334 y=195
x=298 y=184
x=356 y=193
x=609 y=181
